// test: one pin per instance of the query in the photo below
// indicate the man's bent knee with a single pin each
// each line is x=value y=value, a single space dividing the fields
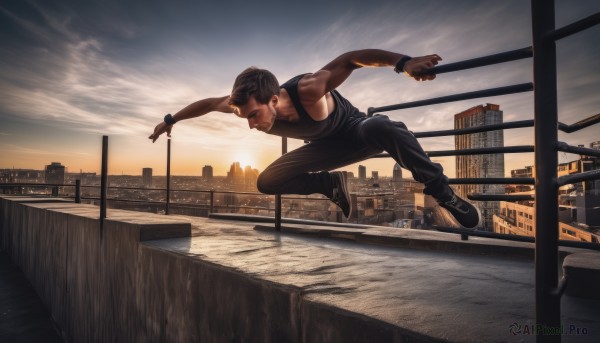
x=265 y=184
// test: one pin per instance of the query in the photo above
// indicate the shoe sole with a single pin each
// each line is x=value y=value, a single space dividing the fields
x=479 y=223
x=344 y=188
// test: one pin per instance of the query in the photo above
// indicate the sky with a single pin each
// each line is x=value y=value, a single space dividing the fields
x=72 y=71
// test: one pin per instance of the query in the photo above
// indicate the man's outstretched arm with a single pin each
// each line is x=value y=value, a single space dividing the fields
x=193 y=110
x=337 y=71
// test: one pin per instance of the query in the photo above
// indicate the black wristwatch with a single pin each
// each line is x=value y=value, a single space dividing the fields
x=169 y=119
x=400 y=64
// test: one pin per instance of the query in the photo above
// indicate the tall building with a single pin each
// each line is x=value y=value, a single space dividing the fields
x=397 y=173
x=207 y=171
x=528 y=171
x=235 y=171
x=55 y=173
x=362 y=172
x=519 y=219
x=375 y=175
x=250 y=176
x=480 y=166
x=147 y=177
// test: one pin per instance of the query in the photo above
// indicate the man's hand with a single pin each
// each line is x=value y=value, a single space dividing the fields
x=416 y=65
x=159 y=130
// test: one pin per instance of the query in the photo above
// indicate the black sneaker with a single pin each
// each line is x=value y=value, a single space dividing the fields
x=341 y=196
x=465 y=213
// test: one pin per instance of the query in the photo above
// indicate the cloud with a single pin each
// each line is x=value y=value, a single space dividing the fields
x=114 y=69
x=16 y=149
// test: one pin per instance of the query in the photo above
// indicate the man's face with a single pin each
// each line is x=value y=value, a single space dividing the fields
x=259 y=116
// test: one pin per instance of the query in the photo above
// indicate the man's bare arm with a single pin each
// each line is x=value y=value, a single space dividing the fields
x=314 y=86
x=196 y=109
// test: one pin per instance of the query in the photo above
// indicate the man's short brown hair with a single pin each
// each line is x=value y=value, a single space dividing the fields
x=260 y=83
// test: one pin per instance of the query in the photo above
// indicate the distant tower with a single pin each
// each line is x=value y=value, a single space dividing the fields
x=147 y=177
x=55 y=173
x=235 y=171
x=397 y=176
x=362 y=172
x=375 y=175
x=250 y=176
x=480 y=166
x=207 y=171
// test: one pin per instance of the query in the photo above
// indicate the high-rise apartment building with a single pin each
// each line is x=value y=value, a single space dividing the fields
x=207 y=171
x=55 y=173
x=480 y=166
x=147 y=177
x=362 y=172
x=397 y=173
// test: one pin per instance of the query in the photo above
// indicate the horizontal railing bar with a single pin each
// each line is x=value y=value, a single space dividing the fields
x=207 y=206
x=493 y=181
x=486 y=234
x=476 y=129
x=479 y=151
x=582 y=124
x=500 y=197
x=518 y=238
x=509 y=125
x=564 y=147
x=302 y=198
x=475 y=151
x=502 y=57
x=34 y=185
x=519 y=88
x=579 y=177
x=127 y=200
x=575 y=27
x=175 y=190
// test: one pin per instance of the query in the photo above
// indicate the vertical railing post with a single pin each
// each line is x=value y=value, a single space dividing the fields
x=278 y=196
x=168 y=203
x=103 y=181
x=547 y=301
x=212 y=201
x=78 y=191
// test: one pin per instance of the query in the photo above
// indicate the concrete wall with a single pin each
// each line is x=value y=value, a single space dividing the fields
x=86 y=277
x=108 y=286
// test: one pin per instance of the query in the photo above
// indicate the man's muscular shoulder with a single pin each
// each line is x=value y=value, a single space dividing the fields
x=314 y=97
x=312 y=87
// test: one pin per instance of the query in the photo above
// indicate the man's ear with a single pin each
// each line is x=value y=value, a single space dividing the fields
x=274 y=100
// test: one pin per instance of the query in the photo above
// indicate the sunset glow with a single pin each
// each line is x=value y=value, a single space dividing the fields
x=73 y=71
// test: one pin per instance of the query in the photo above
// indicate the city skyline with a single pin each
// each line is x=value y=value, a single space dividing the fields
x=71 y=72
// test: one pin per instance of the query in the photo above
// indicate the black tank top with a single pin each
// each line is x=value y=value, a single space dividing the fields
x=344 y=117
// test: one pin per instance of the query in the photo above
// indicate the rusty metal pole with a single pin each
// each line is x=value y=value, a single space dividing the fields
x=278 y=196
x=103 y=181
x=547 y=301
x=168 y=204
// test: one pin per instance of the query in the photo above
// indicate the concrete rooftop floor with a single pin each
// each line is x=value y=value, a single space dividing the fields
x=433 y=292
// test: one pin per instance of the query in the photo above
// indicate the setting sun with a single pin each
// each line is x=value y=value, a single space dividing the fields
x=244 y=158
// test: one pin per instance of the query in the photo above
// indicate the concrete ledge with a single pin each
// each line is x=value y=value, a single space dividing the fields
x=414 y=239
x=582 y=271
x=230 y=283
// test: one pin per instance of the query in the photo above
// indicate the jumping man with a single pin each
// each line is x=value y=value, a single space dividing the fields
x=309 y=107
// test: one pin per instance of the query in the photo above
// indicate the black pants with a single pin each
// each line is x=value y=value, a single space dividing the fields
x=305 y=170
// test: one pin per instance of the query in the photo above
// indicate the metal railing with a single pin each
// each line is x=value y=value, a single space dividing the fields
x=165 y=201
x=548 y=288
